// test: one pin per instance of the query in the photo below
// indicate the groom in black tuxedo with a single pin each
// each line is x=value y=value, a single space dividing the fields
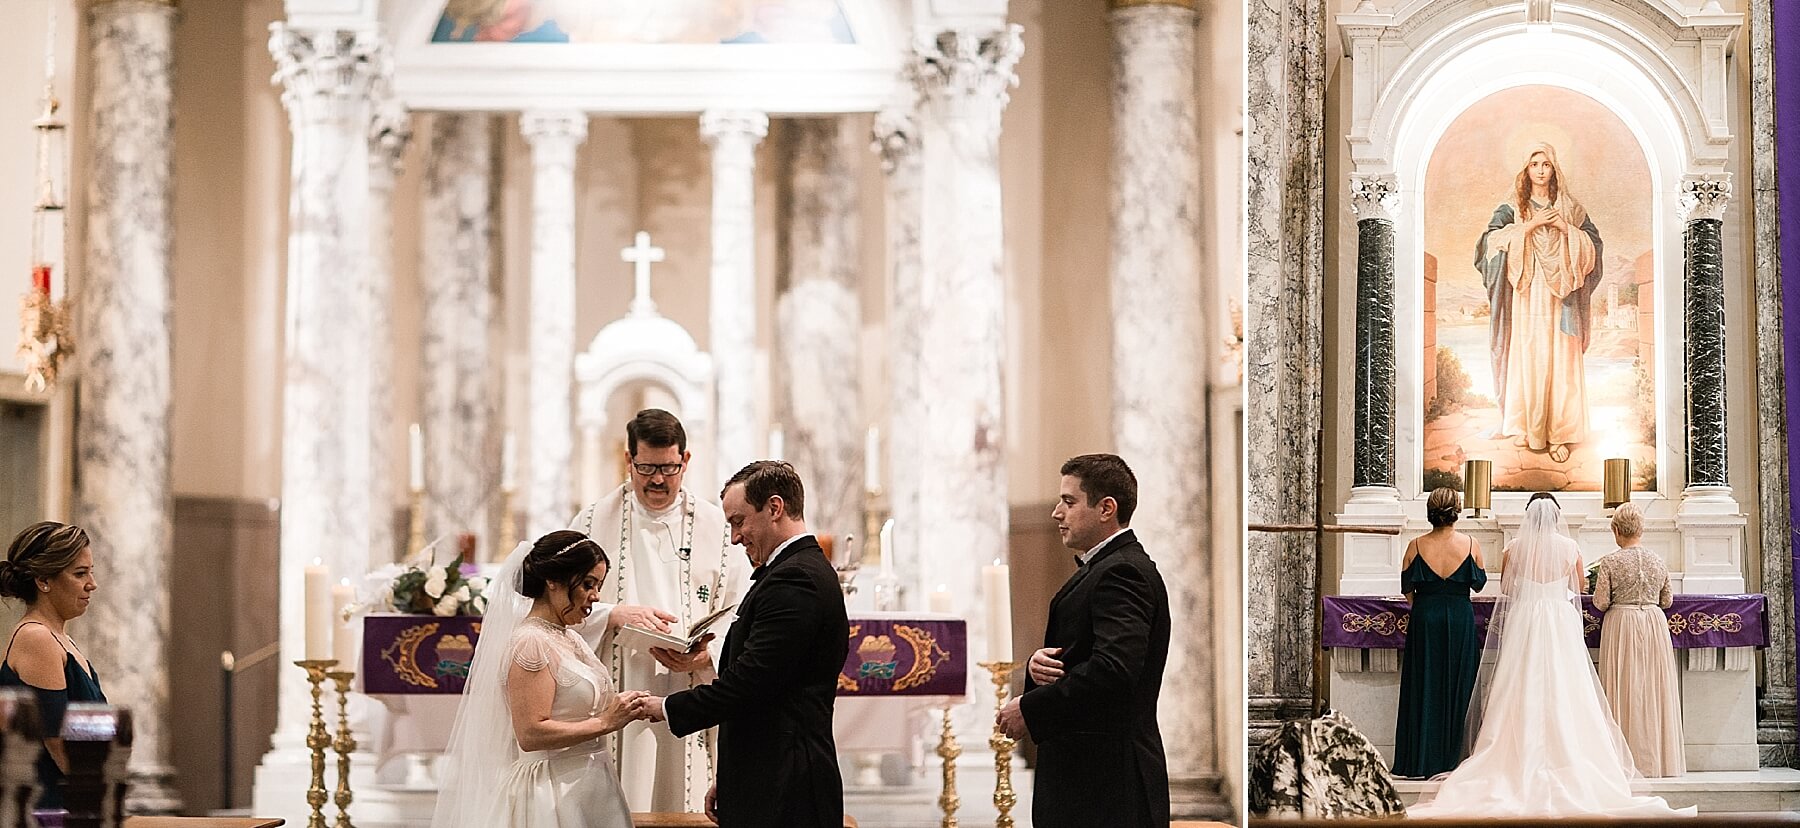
x=1090 y=693
x=772 y=701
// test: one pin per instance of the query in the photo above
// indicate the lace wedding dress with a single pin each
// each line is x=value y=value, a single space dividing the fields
x=1547 y=744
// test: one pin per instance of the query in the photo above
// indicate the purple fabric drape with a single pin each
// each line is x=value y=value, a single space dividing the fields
x=1378 y=622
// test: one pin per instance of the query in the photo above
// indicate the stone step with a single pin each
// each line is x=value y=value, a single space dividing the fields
x=1769 y=790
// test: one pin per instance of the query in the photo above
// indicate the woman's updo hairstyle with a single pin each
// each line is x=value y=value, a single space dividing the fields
x=561 y=557
x=1443 y=507
x=44 y=550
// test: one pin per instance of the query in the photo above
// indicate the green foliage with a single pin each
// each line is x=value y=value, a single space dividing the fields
x=1436 y=478
x=1452 y=386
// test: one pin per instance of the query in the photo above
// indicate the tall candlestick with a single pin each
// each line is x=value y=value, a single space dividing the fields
x=508 y=462
x=940 y=600
x=887 y=547
x=997 y=589
x=415 y=453
x=318 y=612
x=343 y=638
x=872 y=460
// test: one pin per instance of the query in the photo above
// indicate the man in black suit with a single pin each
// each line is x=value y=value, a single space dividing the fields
x=772 y=700
x=1090 y=693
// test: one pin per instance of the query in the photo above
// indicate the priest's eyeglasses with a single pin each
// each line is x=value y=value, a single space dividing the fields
x=666 y=469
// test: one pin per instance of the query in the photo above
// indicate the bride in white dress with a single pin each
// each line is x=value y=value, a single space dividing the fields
x=1547 y=744
x=526 y=750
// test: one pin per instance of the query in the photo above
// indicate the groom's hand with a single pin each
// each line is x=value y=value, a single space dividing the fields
x=1011 y=720
x=694 y=659
x=652 y=707
x=712 y=803
x=1044 y=668
x=634 y=615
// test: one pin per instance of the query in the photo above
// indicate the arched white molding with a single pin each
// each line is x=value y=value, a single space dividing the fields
x=1683 y=56
x=649 y=349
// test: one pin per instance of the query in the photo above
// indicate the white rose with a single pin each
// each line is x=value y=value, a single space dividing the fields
x=478 y=584
x=479 y=605
x=462 y=593
x=434 y=583
x=445 y=606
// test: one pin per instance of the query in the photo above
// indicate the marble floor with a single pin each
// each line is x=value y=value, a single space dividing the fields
x=1769 y=790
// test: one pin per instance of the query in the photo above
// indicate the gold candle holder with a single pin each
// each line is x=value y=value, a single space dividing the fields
x=415 y=531
x=509 y=532
x=344 y=744
x=317 y=739
x=1478 y=485
x=1004 y=798
x=1616 y=485
x=947 y=748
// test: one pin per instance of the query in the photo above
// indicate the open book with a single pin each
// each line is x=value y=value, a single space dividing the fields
x=638 y=638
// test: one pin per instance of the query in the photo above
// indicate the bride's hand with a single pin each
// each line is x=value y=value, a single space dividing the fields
x=626 y=707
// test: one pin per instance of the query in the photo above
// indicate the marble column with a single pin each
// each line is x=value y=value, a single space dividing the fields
x=325 y=76
x=962 y=76
x=1776 y=732
x=549 y=494
x=122 y=430
x=896 y=136
x=1702 y=204
x=390 y=129
x=733 y=136
x=1285 y=218
x=1375 y=200
x=460 y=380
x=1158 y=390
x=818 y=333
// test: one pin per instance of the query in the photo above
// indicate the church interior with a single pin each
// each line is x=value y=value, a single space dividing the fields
x=315 y=290
x=1380 y=139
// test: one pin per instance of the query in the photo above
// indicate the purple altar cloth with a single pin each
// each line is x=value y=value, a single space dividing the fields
x=407 y=654
x=1377 y=622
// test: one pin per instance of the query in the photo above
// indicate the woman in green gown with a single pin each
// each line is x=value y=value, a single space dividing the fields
x=1440 y=571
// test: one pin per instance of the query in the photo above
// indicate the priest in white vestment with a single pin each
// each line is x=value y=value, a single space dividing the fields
x=672 y=565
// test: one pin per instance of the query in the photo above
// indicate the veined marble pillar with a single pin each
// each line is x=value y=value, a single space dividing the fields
x=1285 y=242
x=325 y=76
x=123 y=497
x=1158 y=393
x=963 y=76
x=461 y=377
x=549 y=496
x=897 y=139
x=818 y=335
x=1375 y=199
x=390 y=129
x=733 y=136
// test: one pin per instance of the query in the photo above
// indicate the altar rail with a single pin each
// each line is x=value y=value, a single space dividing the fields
x=1695 y=621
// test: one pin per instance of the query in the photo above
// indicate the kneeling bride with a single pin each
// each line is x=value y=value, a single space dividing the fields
x=1547 y=743
x=525 y=751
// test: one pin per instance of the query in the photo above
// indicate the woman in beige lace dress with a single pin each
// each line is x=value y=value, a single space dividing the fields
x=1637 y=662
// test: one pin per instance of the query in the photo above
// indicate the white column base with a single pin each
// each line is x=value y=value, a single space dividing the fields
x=1371 y=563
x=1712 y=540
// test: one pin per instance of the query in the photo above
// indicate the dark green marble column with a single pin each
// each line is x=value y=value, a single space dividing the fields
x=1374 y=198
x=1703 y=202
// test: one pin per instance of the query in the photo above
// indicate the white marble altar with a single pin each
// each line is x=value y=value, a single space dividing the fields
x=460 y=380
x=818 y=327
x=550 y=441
x=733 y=136
x=123 y=495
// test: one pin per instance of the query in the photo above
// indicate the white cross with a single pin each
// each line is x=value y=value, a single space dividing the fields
x=641 y=254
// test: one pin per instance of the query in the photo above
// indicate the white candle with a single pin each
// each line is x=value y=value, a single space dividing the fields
x=343 y=635
x=318 y=612
x=997 y=589
x=940 y=600
x=872 y=461
x=508 y=462
x=887 y=548
x=776 y=444
x=415 y=454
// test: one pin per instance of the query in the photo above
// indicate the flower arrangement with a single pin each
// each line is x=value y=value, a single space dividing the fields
x=439 y=590
x=1593 y=575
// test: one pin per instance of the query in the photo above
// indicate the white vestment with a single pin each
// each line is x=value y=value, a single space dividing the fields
x=680 y=562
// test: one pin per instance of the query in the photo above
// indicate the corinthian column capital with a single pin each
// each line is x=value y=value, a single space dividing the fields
x=1704 y=196
x=325 y=73
x=1375 y=196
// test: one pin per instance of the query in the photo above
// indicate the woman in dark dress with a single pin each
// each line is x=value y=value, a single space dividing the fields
x=50 y=567
x=1437 y=674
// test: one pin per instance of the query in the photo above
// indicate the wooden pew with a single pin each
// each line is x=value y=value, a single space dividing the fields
x=202 y=822
x=1701 y=821
x=690 y=821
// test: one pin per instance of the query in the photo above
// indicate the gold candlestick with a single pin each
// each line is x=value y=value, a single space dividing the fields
x=317 y=739
x=344 y=744
x=947 y=748
x=415 y=533
x=1004 y=799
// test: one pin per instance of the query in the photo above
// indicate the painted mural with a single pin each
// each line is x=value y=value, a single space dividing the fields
x=1539 y=286
x=644 y=22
